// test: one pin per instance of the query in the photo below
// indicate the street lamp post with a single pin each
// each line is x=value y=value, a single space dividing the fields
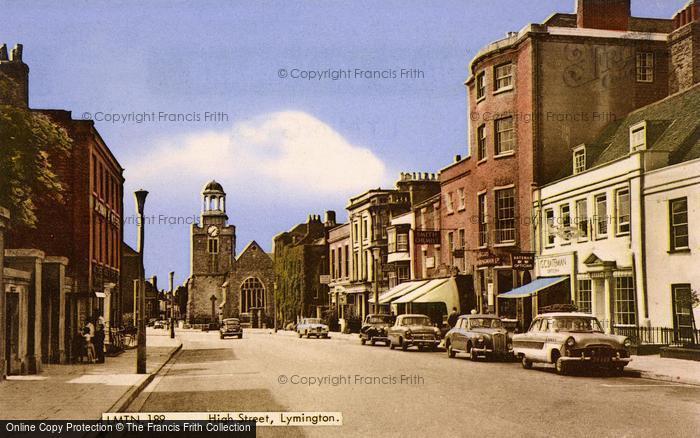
x=140 y=196
x=4 y=219
x=172 y=307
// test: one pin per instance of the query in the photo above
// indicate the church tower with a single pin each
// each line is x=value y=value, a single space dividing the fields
x=213 y=248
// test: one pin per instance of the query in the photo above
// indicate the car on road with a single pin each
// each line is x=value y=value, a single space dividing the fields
x=479 y=335
x=413 y=330
x=230 y=327
x=375 y=328
x=568 y=339
x=312 y=327
x=160 y=324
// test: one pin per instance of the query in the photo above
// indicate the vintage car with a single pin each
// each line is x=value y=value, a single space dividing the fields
x=375 y=329
x=230 y=327
x=312 y=327
x=569 y=339
x=413 y=330
x=479 y=335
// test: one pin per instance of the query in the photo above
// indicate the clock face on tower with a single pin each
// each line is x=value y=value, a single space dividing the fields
x=213 y=231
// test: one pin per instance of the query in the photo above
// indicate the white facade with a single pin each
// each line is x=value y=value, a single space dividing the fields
x=672 y=265
x=626 y=270
x=596 y=245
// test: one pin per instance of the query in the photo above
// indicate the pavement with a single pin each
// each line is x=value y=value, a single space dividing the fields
x=84 y=391
x=394 y=393
x=665 y=369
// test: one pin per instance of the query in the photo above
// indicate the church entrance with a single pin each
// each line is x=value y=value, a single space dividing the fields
x=253 y=302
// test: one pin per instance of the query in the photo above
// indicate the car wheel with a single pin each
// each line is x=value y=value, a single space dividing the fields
x=527 y=364
x=404 y=346
x=363 y=341
x=240 y=336
x=473 y=355
x=450 y=352
x=391 y=345
x=300 y=335
x=433 y=347
x=372 y=342
x=560 y=366
x=221 y=336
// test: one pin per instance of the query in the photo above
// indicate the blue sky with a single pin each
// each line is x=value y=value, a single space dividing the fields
x=287 y=147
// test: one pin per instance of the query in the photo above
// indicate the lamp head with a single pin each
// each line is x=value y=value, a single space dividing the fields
x=140 y=196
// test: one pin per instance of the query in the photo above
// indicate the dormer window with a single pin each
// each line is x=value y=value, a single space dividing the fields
x=638 y=137
x=579 y=159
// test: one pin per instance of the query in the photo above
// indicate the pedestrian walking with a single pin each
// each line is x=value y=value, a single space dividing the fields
x=89 y=347
x=99 y=342
x=452 y=319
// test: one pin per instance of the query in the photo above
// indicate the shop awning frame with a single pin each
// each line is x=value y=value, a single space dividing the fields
x=398 y=291
x=533 y=287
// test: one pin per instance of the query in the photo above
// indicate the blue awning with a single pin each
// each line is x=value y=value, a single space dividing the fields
x=533 y=287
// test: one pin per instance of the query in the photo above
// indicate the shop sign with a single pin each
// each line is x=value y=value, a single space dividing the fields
x=324 y=279
x=486 y=259
x=426 y=237
x=554 y=265
x=523 y=261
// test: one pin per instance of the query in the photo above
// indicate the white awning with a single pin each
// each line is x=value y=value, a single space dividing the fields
x=398 y=291
x=419 y=292
x=446 y=292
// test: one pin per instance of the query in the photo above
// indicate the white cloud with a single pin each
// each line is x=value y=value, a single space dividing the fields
x=291 y=154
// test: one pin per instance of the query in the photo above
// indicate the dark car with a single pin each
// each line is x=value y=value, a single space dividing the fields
x=230 y=327
x=413 y=330
x=479 y=335
x=375 y=328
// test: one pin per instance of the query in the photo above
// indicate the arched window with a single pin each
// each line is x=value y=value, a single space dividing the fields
x=252 y=294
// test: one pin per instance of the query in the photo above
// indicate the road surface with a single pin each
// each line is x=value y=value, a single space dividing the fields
x=383 y=392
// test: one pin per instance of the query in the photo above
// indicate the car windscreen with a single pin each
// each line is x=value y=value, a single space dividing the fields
x=378 y=319
x=415 y=320
x=485 y=323
x=577 y=324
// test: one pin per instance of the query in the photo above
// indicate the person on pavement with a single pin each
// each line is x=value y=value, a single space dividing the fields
x=99 y=342
x=452 y=319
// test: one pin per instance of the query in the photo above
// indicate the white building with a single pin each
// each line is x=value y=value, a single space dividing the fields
x=618 y=228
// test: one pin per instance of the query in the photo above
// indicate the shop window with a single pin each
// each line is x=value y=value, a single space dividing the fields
x=625 y=302
x=584 y=299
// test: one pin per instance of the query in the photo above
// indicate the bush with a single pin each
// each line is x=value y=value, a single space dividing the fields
x=330 y=318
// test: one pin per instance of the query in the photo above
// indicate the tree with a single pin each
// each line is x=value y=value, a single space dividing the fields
x=28 y=143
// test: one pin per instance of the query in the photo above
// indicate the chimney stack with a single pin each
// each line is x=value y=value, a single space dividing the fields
x=14 y=75
x=684 y=48
x=603 y=14
x=330 y=218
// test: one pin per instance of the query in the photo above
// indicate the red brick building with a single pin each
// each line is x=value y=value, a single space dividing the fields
x=534 y=97
x=87 y=227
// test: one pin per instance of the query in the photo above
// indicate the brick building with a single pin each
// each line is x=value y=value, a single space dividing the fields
x=534 y=96
x=87 y=227
x=221 y=284
x=340 y=270
x=301 y=257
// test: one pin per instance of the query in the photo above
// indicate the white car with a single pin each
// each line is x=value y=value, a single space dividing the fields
x=312 y=327
x=571 y=339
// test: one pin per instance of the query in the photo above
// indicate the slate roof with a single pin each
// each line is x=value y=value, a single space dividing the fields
x=673 y=125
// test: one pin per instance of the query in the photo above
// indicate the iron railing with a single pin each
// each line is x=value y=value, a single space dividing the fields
x=659 y=335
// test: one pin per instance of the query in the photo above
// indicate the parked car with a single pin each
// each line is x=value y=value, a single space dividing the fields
x=230 y=327
x=160 y=324
x=375 y=329
x=151 y=322
x=413 y=330
x=571 y=339
x=312 y=327
x=479 y=335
